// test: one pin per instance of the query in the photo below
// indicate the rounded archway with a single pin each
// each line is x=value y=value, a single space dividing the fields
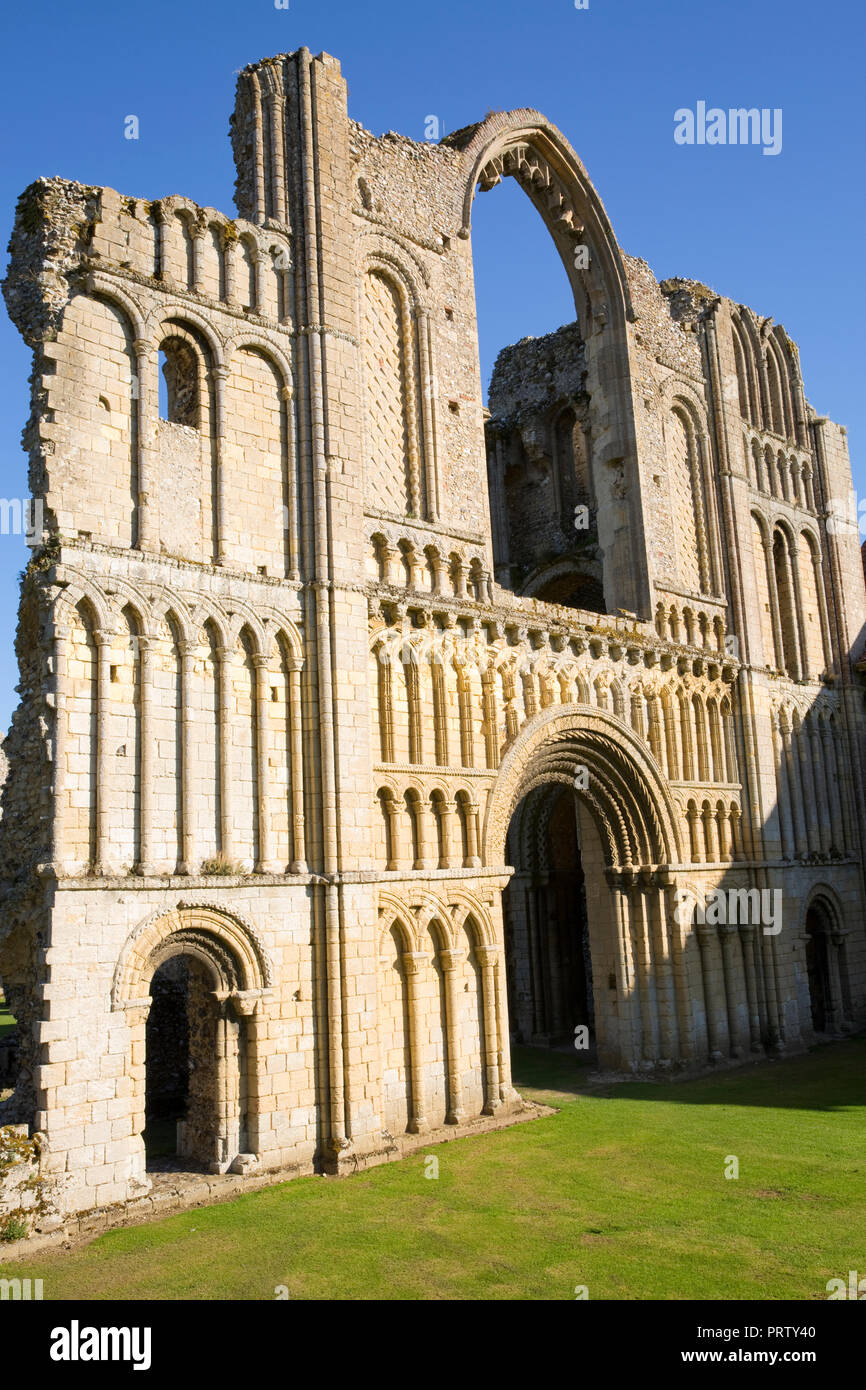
x=826 y=967
x=581 y=814
x=190 y=982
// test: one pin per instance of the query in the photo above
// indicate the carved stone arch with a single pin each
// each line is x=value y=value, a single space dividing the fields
x=80 y=590
x=168 y=315
x=623 y=775
x=244 y=616
x=394 y=912
x=227 y=940
x=207 y=611
x=393 y=256
x=523 y=144
x=277 y=629
x=164 y=602
x=260 y=341
x=102 y=286
x=465 y=904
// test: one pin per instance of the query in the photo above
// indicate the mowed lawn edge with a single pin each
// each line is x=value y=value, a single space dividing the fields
x=623 y=1191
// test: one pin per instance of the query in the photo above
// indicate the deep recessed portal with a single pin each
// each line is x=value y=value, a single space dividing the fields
x=548 y=962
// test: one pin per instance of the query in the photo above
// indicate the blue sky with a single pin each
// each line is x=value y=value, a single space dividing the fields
x=782 y=233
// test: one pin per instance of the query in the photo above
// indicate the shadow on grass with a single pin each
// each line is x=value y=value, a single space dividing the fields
x=830 y=1076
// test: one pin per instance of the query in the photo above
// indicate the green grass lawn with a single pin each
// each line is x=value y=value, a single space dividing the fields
x=622 y=1191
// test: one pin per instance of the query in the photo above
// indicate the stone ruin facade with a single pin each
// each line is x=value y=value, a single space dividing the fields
x=362 y=729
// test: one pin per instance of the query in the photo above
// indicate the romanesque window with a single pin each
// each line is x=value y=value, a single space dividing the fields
x=179 y=400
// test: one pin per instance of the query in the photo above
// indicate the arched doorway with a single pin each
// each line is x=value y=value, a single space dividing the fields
x=547 y=947
x=192 y=983
x=582 y=815
x=826 y=968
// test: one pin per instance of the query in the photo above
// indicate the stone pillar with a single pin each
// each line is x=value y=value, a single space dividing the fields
x=792 y=766
x=225 y=657
x=425 y=857
x=266 y=862
x=488 y=957
x=60 y=792
x=783 y=793
x=418 y=1122
x=729 y=939
x=451 y=962
x=145 y=863
x=104 y=779
x=447 y=813
x=428 y=388
x=188 y=841
x=747 y=939
x=473 y=858
x=832 y=773
x=198 y=236
x=822 y=795
x=807 y=782
x=705 y=935
x=299 y=848
x=663 y=971
x=218 y=376
x=147 y=370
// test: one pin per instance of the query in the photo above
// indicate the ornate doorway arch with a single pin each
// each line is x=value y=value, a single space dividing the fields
x=640 y=1006
x=219 y=972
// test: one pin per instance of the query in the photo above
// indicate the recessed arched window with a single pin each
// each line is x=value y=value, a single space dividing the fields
x=179 y=392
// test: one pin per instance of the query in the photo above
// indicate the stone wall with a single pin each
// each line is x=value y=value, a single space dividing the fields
x=298 y=643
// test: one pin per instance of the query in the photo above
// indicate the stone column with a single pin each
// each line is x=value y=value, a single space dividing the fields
x=147 y=370
x=447 y=813
x=423 y=334
x=664 y=970
x=822 y=796
x=266 y=862
x=729 y=939
x=145 y=863
x=487 y=957
x=783 y=792
x=792 y=765
x=230 y=262
x=425 y=857
x=218 y=376
x=418 y=1122
x=451 y=962
x=104 y=779
x=473 y=859
x=198 y=236
x=704 y=935
x=747 y=939
x=188 y=841
x=807 y=782
x=832 y=774
x=395 y=814
x=225 y=657
x=299 y=848
x=60 y=793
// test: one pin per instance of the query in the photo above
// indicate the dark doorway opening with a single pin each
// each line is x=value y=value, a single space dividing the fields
x=548 y=961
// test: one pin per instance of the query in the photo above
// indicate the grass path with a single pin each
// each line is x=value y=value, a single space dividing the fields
x=623 y=1191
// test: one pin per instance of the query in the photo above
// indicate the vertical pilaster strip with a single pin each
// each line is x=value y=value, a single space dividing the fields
x=146 y=756
x=266 y=863
x=60 y=794
x=412 y=963
x=450 y=961
x=218 y=377
x=225 y=660
x=103 y=757
x=487 y=957
x=188 y=844
x=299 y=848
x=147 y=370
